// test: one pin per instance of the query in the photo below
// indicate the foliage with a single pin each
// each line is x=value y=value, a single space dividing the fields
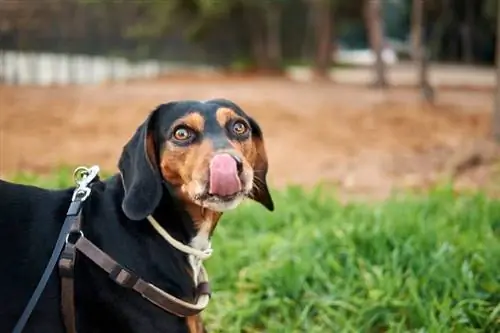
x=427 y=263
x=228 y=29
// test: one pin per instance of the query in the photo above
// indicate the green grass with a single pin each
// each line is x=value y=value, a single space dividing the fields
x=414 y=263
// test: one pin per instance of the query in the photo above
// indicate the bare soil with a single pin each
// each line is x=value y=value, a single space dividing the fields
x=364 y=141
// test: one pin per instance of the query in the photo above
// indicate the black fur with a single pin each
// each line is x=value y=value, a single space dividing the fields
x=31 y=217
x=141 y=178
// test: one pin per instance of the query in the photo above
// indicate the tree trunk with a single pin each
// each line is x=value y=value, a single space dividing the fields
x=273 y=34
x=322 y=21
x=444 y=20
x=259 y=51
x=257 y=38
x=468 y=30
x=307 y=43
x=416 y=29
x=374 y=25
x=264 y=26
x=420 y=51
x=426 y=91
x=496 y=112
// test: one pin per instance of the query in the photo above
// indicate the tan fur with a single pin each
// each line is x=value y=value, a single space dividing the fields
x=247 y=148
x=193 y=120
x=223 y=115
x=194 y=324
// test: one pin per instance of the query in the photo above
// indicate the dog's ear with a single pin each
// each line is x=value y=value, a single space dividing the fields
x=260 y=190
x=140 y=173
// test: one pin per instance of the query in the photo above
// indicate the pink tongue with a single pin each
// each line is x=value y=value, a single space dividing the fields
x=224 y=178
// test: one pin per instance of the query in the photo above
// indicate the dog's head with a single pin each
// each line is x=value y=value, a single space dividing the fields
x=209 y=153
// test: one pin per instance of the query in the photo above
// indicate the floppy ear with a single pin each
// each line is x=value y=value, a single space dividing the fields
x=140 y=174
x=260 y=191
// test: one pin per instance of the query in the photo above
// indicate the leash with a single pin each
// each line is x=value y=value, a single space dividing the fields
x=80 y=194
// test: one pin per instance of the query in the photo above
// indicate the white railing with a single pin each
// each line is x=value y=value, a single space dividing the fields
x=52 y=68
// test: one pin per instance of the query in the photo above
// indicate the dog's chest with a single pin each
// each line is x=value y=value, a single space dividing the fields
x=202 y=239
x=199 y=242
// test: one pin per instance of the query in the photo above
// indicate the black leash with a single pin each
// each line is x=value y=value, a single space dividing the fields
x=80 y=194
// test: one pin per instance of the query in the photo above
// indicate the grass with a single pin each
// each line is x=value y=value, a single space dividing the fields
x=414 y=263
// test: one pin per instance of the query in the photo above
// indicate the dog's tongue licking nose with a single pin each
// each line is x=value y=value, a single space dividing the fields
x=224 y=178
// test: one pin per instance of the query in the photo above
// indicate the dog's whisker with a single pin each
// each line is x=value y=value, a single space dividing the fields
x=258 y=182
x=257 y=186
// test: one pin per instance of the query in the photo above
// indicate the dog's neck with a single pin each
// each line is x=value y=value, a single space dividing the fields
x=205 y=221
x=195 y=224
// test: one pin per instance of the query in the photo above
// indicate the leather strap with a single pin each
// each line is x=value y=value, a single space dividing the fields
x=66 y=272
x=71 y=216
x=153 y=294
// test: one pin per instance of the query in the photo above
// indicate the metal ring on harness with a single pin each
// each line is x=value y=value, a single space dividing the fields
x=74 y=235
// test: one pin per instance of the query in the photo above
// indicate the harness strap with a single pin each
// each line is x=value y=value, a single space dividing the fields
x=71 y=216
x=66 y=272
x=76 y=241
x=122 y=277
x=153 y=294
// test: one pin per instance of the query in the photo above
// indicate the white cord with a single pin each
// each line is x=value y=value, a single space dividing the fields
x=195 y=256
x=178 y=245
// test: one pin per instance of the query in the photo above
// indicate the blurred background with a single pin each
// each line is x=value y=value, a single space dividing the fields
x=368 y=96
x=365 y=95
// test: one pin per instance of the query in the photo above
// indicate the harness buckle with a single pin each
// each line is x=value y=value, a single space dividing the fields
x=123 y=277
x=83 y=177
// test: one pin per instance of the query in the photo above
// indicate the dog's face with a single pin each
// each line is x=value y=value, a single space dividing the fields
x=211 y=153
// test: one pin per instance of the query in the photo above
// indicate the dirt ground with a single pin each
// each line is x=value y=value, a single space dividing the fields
x=365 y=142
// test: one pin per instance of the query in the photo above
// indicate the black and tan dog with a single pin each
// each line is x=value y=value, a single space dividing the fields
x=185 y=165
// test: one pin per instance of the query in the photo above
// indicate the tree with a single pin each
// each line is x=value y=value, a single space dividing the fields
x=467 y=32
x=264 y=26
x=375 y=29
x=273 y=11
x=496 y=112
x=262 y=20
x=416 y=28
x=419 y=50
x=320 y=16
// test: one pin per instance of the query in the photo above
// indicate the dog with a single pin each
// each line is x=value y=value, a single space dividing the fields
x=186 y=164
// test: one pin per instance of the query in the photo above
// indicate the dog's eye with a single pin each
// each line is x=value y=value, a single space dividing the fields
x=183 y=134
x=240 y=128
